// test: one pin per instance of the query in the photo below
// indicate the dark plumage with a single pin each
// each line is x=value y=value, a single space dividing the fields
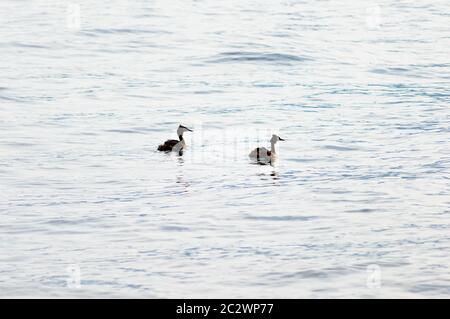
x=175 y=145
x=168 y=145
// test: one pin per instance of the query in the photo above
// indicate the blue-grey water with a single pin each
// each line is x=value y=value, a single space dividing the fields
x=358 y=204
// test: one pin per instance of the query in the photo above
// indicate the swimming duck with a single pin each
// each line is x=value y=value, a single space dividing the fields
x=262 y=154
x=175 y=145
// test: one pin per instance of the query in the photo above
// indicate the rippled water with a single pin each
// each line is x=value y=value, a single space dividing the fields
x=356 y=206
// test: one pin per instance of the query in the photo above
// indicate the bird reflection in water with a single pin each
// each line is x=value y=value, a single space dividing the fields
x=180 y=180
x=270 y=176
x=274 y=175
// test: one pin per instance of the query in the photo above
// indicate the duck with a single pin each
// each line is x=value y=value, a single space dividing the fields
x=263 y=155
x=175 y=145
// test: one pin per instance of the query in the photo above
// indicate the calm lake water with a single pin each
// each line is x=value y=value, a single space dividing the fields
x=358 y=204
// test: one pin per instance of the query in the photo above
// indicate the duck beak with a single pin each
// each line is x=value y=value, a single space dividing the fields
x=281 y=139
x=189 y=129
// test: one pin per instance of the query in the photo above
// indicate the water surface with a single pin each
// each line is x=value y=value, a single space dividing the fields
x=359 y=91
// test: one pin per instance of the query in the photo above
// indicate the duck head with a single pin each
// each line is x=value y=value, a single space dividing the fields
x=181 y=129
x=275 y=138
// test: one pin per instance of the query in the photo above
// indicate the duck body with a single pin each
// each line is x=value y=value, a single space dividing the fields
x=170 y=144
x=263 y=155
x=175 y=145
